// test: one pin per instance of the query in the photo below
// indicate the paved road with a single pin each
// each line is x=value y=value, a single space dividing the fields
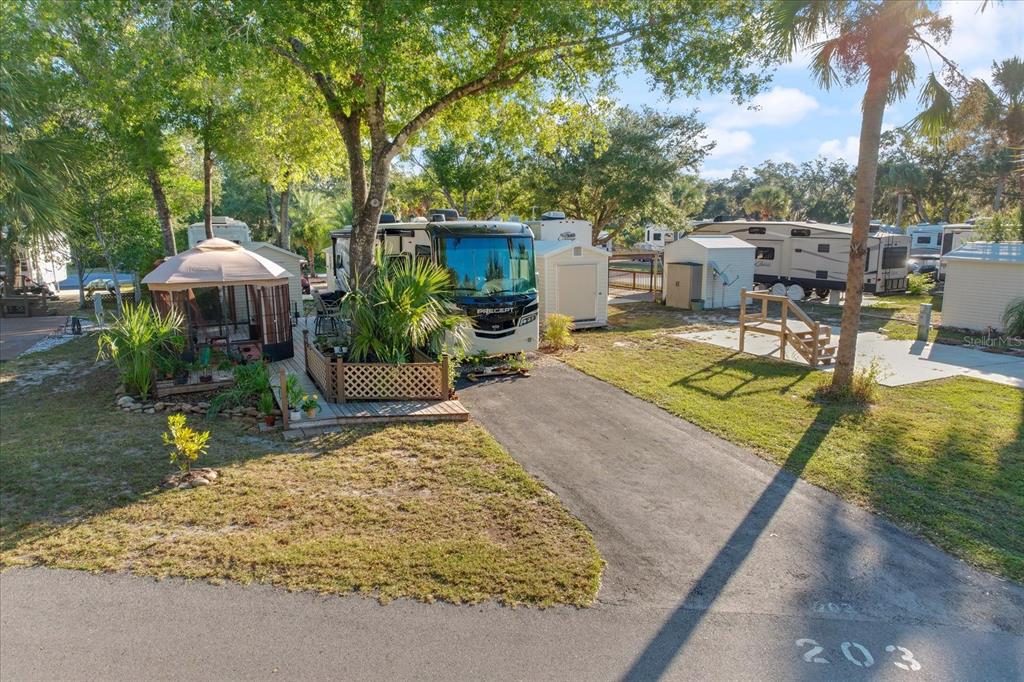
x=18 y=334
x=719 y=567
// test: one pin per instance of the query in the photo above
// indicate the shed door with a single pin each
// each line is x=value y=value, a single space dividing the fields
x=577 y=291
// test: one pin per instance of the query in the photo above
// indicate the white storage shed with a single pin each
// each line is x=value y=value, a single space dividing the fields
x=572 y=279
x=982 y=278
x=727 y=265
x=290 y=261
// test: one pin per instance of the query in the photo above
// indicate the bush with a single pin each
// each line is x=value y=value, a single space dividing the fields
x=139 y=341
x=557 y=331
x=187 y=443
x=1013 y=318
x=251 y=381
x=863 y=390
x=407 y=306
x=918 y=285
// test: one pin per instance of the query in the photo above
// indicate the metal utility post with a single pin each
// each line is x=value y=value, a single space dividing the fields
x=924 y=321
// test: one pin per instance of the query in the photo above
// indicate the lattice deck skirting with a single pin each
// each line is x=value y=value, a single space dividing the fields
x=343 y=381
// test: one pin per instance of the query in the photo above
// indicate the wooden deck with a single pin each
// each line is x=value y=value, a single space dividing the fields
x=335 y=415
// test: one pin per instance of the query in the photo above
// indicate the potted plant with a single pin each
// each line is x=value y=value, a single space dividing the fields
x=166 y=365
x=310 y=405
x=267 y=408
x=295 y=396
x=205 y=373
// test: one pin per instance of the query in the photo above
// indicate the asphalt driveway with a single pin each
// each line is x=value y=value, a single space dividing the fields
x=719 y=567
x=18 y=334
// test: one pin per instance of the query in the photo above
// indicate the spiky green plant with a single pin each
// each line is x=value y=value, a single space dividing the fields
x=1013 y=318
x=137 y=339
x=407 y=307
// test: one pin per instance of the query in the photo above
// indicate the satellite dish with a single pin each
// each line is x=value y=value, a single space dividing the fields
x=778 y=289
x=795 y=292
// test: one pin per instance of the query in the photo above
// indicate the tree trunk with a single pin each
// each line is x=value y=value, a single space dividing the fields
x=80 y=269
x=867 y=168
x=163 y=211
x=286 y=229
x=311 y=257
x=1000 y=188
x=110 y=264
x=899 y=208
x=10 y=263
x=207 y=189
x=275 y=226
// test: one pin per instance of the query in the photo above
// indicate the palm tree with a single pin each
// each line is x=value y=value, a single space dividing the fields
x=902 y=180
x=312 y=219
x=35 y=168
x=1003 y=116
x=865 y=41
x=768 y=201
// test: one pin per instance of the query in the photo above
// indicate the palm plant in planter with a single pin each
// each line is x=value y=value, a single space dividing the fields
x=407 y=307
x=267 y=407
x=137 y=340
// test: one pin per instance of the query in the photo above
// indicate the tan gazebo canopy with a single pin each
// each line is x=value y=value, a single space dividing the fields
x=215 y=262
x=252 y=305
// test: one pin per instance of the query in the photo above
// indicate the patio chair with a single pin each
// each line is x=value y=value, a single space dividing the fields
x=328 y=308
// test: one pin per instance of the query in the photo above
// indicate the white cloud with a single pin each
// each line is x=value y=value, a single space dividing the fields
x=981 y=37
x=716 y=173
x=837 y=149
x=779 y=106
x=727 y=142
x=782 y=156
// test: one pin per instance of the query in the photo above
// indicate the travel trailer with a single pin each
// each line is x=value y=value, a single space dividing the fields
x=657 y=237
x=925 y=239
x=224 y=227
x=553 y=226
x=492 y=266
x=815 y=256
x=953 y=236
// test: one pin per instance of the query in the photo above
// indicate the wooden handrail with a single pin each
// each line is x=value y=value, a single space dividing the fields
x=810 y=351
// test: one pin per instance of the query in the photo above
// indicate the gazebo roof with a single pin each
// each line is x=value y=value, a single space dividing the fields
x=214 y=262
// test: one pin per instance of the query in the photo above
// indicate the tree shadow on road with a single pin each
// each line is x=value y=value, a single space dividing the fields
x=675 y=632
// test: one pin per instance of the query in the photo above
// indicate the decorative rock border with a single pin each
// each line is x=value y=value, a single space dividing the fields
x=249 y=416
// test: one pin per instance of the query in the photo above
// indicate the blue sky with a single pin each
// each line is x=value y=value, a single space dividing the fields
x=796 y=121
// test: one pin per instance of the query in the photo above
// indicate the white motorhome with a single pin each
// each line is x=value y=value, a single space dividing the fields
x=492 y=268
x=815 y=256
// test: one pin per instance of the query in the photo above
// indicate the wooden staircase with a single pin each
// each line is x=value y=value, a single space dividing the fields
x=812 y=340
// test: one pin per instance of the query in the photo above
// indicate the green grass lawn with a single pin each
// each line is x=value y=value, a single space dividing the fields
x=944 y=459
x=427 y=511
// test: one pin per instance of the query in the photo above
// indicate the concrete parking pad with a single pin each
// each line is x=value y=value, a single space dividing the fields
x=904 y=362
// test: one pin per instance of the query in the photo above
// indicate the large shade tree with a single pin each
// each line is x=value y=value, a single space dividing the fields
x=386 y=70
x=625 y=178
x=871 y=42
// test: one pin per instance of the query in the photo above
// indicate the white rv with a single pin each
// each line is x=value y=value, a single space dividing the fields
x=815 y=256
x=224 y=227
x=657 y=237
x=953 y=236
x=492 y=268
x=553 y=226
x=925 y=240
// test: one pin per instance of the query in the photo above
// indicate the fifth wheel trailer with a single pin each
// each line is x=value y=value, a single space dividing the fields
x=815 y=256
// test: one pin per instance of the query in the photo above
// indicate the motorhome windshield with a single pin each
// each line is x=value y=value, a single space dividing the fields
x=488 y=265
